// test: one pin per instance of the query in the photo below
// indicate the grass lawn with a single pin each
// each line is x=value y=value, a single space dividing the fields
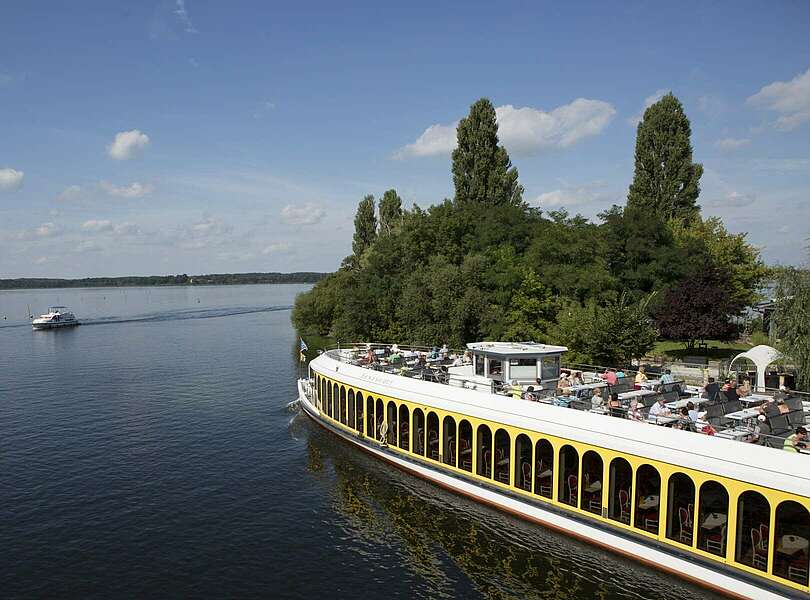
x=716 y=349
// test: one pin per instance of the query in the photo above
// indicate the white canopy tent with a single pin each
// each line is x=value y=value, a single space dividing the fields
x=762 y=356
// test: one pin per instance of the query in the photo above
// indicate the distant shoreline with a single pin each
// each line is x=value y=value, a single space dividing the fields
x=28 y=283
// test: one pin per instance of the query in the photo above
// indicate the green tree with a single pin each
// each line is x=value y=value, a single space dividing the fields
x=532 y=311
x=482 y=170
x=365 y=227
x=791 y=320
x=390 y=211
x=666 y=181
x=612 y=334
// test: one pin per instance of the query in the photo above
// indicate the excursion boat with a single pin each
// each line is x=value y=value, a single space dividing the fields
x=57 y=316
x=726 y=515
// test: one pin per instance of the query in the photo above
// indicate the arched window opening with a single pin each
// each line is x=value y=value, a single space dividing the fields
x=380 y=413
x=648 y=498
x=483 y=451
x=790 y=559
x=712 y=523
x=465 y=445
x=681 y=509
x=370 y=418
x=418 y=431
x=502 y=457
x=433 y=436
x=523 y=463
x=449 y=441
x=335 y=402
x=350 y=403
x=404 y=428
x=753 y=534
x=359 y=412
x=543 y=468
x=328 y=397
x=343 y=405
x=392 y=424
x=621 y=490
x=568 y=490
x=592 y=475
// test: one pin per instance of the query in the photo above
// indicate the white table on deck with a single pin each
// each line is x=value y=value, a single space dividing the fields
x=636 y=394
x=742 y=415
x=662 y=419
x=650 y=384
x=737 y=434
x=714 y=520
x=679 y=404
x=755 y=399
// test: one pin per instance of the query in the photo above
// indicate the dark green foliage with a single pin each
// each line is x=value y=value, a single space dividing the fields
x=612 y=334
x=792 y=320
x=698 y=308
x=666 y=181
x=641 y=251
x=390 y=211
x=482 y=170
x=365 y=227
x=486 y=266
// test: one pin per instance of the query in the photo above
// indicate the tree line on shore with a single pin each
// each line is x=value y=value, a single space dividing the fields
x=158 y=280
x=486 y=265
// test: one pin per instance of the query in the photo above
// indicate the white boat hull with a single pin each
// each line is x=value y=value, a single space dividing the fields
x=637 y=552
x=53 y=324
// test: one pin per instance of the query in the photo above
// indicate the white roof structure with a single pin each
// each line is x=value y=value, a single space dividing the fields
x=507 y=349
x=761 y=356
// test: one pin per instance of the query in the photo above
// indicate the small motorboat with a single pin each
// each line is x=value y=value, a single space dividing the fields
x=57 y=316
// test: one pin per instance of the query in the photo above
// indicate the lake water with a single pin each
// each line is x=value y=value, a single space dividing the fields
x=151 y=452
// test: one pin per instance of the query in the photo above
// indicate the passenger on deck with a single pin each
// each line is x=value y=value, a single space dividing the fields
x=467 y=360
x=609 y=376
x=530 y=394
x=667 y=377
x=433 y=354
x=394 y=357
x=620 y=372
x=634 y=414
x=641 y=377
x=659 y=409
x=694 y=414
x=711 y=389
x=517 y=391
x=684 y=422
x=370 y=357
x=443 y=351
x=576 y=378
x=745 y=389
x=563 y=382
x=457 y=360
x=394 y=349
x=782 y=406
x=796 y=441
x=597 y=402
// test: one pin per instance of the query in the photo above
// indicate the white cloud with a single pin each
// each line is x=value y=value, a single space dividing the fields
x=648 y=102
x=789 y=98
x=733 y=199
x=46 y=230
x=306 y=214
x=133 y=190
x=128 y=144
x=11 y=180
x=206 y=233
x=126 y=229
x=569 y=196
x=276 y=247
x=182 y=15
x=97 y=225
x=85 y=246
x=524 y=130
x=70 y=193
x=41 y=260
x=732 y=143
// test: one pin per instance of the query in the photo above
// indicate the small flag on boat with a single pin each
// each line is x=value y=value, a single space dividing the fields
x=301 y=356
x=304 y=347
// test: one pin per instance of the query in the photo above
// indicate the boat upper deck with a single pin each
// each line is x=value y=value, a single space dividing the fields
x=407 y=371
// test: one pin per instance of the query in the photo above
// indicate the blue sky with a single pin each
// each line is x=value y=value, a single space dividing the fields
x=189 y=136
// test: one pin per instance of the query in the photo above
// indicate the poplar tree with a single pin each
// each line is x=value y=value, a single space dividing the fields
x=365 y=226
x=482 y=170
x=666 y=181
x=390 y=211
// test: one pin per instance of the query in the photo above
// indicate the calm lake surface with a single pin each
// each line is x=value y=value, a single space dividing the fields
x=152 y=452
